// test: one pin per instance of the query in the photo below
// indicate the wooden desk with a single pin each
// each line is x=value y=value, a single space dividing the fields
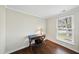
x=35 y=37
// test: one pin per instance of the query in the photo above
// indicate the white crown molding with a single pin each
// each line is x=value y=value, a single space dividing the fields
x=20 y=11
x=41 y=15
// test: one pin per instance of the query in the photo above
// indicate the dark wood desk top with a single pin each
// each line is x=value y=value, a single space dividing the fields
x=34 y=37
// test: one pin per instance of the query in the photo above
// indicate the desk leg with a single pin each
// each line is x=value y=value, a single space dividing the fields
x=30 y=45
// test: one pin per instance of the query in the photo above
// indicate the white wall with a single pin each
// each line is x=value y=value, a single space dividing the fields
x=17 y=27
x=51 y=29
x=2 y=29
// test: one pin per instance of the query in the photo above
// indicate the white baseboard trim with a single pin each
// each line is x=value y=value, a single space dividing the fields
x=65 y=46
x=50 y=37
x=15 y=50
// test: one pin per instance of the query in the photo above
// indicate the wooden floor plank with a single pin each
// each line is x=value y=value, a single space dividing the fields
x=47 y=48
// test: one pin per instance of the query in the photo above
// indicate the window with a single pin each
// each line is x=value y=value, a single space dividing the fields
x=65 y=29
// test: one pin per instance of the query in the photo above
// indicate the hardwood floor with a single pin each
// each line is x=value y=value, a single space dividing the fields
x=47 y=48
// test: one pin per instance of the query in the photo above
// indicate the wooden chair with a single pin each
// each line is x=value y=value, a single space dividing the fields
x=39 y=42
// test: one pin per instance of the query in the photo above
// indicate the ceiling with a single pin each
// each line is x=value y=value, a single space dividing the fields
x=42 y=11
